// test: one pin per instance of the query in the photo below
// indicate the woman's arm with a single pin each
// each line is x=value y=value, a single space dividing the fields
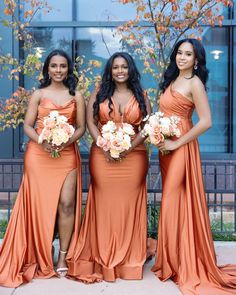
x=31 y=116
x=204 y=114
x=80 y=118
x=91 y=122
x=30 y=119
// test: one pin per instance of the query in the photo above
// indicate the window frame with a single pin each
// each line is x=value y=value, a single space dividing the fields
x=74 y=24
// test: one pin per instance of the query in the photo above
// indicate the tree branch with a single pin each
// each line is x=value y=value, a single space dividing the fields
x=156 y=31
x=104 y=41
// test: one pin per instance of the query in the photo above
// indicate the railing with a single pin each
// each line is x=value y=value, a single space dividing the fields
x=220 y=185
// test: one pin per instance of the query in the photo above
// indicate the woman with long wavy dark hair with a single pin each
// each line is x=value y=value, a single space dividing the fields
x=112 y=240
x=50 y=192
x=185 y=250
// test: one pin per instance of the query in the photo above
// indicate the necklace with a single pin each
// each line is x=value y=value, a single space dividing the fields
x=188 y=78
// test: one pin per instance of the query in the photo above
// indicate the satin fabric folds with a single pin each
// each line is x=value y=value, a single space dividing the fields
x=185 y=250
x=112 y=241
x=26 y=251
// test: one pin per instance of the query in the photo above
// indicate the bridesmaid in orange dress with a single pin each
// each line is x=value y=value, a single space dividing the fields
x=185 y=250
x=112 y=240
x=51 y=187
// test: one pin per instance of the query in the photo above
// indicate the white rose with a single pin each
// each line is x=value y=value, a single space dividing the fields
x=119 y=135
x=114 y=153
x=110 y=126
x=127 y=128
x=54 y=114
x=153 y=120
x=62 y=119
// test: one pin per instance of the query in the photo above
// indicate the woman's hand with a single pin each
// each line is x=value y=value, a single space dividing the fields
x=62 y=146
x=47 y=146
x=124 y=154
x=168 y=145
x=108 y=156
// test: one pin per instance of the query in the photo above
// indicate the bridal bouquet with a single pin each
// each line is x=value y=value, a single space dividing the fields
x=56 y=131
x=115 y=139
x=159 y=128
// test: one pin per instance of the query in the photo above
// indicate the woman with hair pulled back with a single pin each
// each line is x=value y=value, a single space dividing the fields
x=185 y=250
x=50 y=192
x=112 y=240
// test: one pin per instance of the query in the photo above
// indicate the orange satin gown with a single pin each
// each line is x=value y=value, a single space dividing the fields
x=112 y=240
x=26 y=251
x=185 y=250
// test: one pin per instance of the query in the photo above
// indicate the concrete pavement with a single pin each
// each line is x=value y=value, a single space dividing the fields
x=226 y=253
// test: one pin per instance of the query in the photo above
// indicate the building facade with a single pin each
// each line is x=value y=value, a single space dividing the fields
x=87 y=27
x=82 y=27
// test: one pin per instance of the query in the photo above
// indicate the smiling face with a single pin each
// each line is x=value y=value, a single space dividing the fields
x=58 y=68
x=120 y=70
x=185 y=57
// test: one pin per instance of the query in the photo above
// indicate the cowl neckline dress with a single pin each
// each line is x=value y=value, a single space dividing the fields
x=26 y=250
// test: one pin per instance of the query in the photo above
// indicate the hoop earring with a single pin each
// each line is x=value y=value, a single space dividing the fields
x=195 y=67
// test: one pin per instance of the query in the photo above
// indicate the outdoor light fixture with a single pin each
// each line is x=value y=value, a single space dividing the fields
x=39 y=51
x=216 y=53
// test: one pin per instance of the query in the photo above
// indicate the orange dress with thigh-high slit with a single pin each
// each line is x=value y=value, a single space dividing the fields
x=185 y=250
x=112 y=240
x=26 y=251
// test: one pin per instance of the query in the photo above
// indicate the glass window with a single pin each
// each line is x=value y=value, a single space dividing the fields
x=5 y=84
x=225 y=11
x=60 y=11
x=234 y=8
x=96 y=43
x=234 y=99
x=215 y=41
x=46 y=40
x=101 y=43
x=103 y=10
x=113 y=10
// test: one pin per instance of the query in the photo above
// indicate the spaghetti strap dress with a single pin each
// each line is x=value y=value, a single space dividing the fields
x=26 y=250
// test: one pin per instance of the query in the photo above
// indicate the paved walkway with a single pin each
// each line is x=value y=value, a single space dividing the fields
x=226 y=253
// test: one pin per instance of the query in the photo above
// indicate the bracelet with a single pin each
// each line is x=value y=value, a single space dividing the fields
x=40 y=140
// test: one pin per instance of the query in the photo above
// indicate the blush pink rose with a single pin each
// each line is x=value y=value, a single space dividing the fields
x=50 y=123
x=116 y=144
x=156 y=137
x=103 y=143
x=46 y=133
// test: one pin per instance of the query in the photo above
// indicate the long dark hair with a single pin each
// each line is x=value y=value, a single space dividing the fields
x=107 y=86
x=71 y=80
x=172 y=71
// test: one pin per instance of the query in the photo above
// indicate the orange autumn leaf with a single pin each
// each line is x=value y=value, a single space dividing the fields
x=30 y=12
x=7 y=11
